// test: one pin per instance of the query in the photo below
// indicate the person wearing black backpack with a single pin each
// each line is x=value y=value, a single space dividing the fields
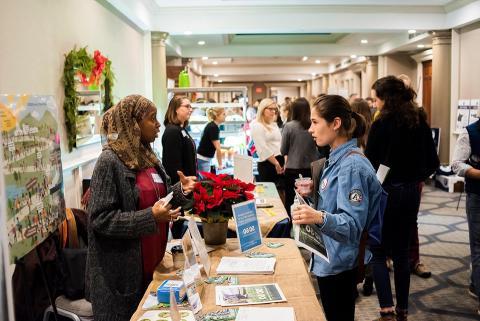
x=400 y=139
x=349 y=198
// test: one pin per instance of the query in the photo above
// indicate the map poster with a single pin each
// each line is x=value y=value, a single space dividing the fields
x=31 y=171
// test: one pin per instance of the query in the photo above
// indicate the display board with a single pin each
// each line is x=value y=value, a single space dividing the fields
x=31 y=166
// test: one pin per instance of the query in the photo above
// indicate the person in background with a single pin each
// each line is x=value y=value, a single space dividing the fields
x=286 y=113
x=298 y=148
x=466 y=163
x=400 y=139
x=267 y=138
x=371 y=105
x=360 y=106
x=252 y=112
x=349 y=195
x=352 y=98
x=179 y=151
x=210 y=141
x=127 y=233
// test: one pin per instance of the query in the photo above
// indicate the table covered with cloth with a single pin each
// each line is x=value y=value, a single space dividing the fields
x=291 y=274
x=274 y=221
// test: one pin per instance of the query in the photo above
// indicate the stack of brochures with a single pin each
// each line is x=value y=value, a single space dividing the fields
x=232 y=295
x=243 y=265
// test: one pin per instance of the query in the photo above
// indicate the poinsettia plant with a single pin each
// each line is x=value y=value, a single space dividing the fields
x=214 y=196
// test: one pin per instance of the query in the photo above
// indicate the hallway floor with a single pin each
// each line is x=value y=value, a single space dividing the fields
x=444 y=248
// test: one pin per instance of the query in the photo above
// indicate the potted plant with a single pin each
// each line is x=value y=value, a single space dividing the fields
x=214 y=196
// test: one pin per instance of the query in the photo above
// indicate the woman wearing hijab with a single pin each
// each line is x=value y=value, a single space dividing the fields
x=128 y=222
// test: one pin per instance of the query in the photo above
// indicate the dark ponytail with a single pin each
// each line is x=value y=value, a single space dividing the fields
x=331 y=106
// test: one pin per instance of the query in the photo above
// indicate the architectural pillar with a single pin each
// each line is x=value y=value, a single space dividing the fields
x=159 y=72
x=441 y=87
x=371 y=74
x=159 y=81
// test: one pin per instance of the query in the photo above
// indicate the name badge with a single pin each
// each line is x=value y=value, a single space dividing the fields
x=157 y=178
x=184 y=133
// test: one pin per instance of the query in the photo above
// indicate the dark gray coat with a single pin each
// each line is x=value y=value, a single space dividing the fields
x=114 y=261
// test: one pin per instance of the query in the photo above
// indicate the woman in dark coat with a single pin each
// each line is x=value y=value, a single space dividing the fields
x=128 y=222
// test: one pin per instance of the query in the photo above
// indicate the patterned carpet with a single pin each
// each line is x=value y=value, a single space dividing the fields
x=444 y=248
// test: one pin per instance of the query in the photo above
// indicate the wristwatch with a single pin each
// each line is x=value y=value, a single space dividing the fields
x=322 y=214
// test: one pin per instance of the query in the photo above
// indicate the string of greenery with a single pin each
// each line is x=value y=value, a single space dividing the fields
x=80 y=61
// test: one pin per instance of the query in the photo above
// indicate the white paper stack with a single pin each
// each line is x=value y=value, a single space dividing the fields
x=266 y=314
x=243 y=265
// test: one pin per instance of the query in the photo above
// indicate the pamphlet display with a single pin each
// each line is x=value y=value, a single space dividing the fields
x=474 y=111
x=309 y=236
x=190 y=277
x=243 y=265
x=463 y=114
x=188 y=250
x=248 y=229
x=31 y=170
x=232 y=295
x=199 y=245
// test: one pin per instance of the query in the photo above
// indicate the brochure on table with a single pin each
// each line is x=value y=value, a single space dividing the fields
x=266 y=314
x=232 y=295
x=309 y=236
x=248 y=229
x=199 y=245
x=244 y=265
x=190 y=276
x=165 y=315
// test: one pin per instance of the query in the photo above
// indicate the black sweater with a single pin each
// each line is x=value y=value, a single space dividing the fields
x=179 y=152
x=409 y=152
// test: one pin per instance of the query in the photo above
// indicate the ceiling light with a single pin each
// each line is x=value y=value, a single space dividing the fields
x=215 y=75
x=412 y=31
x=299 y=79
x=317 y=61
x=353 y=56
x=187 y=33
x=220 y=80
x=201 y=43
x=305 y=58
x=313 y=74
x=204 y=58
x=421 y=46
x=215 y=62
x=364 y=41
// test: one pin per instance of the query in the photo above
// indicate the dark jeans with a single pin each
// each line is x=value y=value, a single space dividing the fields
x=473 y=218
x=414 y=256
x=337 y=293
x=400 y=219
x=290 y=176
x=267 y=172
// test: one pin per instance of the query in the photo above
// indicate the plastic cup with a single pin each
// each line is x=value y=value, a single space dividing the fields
x=303 y=185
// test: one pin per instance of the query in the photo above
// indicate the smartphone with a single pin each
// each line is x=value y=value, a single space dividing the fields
x=167 y=198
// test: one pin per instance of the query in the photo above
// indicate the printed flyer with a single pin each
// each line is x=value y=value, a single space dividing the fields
x=32 y=170
x=232 y=295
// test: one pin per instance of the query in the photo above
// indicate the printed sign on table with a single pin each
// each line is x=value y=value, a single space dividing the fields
x=31 y=167
x=248 y=228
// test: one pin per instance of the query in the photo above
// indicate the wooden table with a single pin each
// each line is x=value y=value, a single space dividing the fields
x=290 y=273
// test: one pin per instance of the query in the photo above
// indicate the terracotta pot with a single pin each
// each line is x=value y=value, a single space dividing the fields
x=215 y=233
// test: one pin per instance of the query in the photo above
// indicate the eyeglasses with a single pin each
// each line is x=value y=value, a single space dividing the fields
x=187 y=106
x=272 y=109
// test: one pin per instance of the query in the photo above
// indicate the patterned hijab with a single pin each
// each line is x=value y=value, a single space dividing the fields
x=121 y=126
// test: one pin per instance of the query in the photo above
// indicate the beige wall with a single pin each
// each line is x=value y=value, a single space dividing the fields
x=35 y=36
x=469 y=81
x=400 y=64
x=348 y=80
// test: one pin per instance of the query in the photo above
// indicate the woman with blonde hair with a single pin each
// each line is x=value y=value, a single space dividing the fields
x=210 y=141
x=267 y=138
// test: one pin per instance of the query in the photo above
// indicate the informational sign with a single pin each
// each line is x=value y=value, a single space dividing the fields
x=248 y=228
x=32 y=181
x=243 y=168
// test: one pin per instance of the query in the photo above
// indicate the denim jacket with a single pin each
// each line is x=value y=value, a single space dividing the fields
x=349 y=192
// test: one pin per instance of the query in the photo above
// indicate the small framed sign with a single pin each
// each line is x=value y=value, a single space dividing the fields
x=248 y=229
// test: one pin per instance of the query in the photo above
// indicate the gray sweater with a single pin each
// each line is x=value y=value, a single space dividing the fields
x=114 y=261
x=298 y=145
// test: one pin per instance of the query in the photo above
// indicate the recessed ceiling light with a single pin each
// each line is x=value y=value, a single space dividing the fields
x=305 y=58
x=412 y=31
x=204 y=58
x=187 y=32
x=215 y=62
x=421 y=46
x=317 y=61
x=353 y=56
x=215 y=75
x=313 y=74
x=364 y=41
x=201 y=43
x=220 y=80
x=299 y=79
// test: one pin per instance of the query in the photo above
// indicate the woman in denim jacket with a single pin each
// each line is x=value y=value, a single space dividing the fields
x=349 y=194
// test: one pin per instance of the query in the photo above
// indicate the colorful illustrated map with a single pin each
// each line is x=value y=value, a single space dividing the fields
x=31 y=165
